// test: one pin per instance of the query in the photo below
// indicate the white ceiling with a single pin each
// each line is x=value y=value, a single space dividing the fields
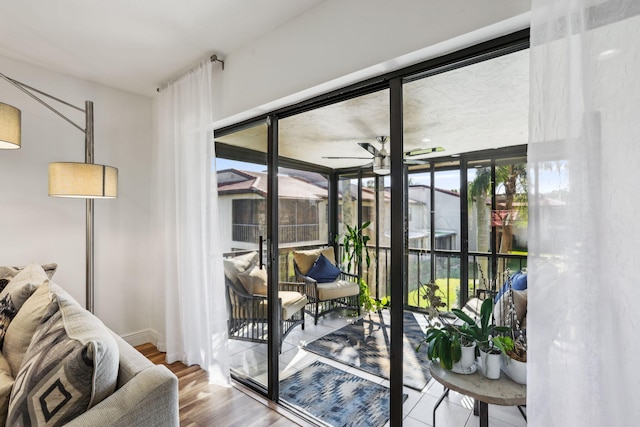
x=478 y=107
x=132 y=44
x=137 y=45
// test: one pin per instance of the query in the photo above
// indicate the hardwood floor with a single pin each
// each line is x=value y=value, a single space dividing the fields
x=204 y=404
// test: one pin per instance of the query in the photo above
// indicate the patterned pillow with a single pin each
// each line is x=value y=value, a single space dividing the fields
x=8 y=273
x=70 y=366
x=16 y=293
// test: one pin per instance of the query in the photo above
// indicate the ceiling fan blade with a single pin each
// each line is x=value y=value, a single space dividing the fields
x=344 y=157
x=370 y=148
x=416 y=161
x=421 y=151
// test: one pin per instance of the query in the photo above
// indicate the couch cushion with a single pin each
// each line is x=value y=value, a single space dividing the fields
x=70 y=366
x=241 y=263
x=337 y=289
x=13 y=296
x=23 y=326
x=305 y=259
x=7 y=273
x=501 y=308
x=254 y=281
x=323 y=271
x=6 y=383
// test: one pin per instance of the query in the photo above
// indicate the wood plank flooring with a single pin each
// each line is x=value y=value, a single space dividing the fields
x=204 y=404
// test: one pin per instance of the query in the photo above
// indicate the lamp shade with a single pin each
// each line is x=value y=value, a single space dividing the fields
x=83 y=180
x=9 y=127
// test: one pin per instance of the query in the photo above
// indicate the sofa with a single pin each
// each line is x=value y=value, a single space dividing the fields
x=60 y=365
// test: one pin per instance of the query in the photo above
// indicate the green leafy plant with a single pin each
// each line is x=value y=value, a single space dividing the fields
x=486 y=335
x=444 y=340
x=355 y=252
x=355 y=247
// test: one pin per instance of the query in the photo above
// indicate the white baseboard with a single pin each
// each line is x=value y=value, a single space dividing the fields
x=141 y=337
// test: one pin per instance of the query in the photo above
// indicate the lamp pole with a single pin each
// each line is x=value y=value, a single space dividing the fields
x=88 y=158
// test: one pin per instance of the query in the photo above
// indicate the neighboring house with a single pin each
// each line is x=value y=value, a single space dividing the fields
x=242 y=210
x=303 y=211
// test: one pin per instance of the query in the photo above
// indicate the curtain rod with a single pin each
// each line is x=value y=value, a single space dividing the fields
x=212 y=58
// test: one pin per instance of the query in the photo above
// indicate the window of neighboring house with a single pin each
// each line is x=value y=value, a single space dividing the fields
x=248 y=219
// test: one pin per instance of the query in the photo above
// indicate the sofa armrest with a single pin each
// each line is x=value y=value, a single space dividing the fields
x=148 y=399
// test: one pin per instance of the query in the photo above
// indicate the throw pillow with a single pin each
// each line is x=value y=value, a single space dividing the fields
x=7 y=273
x=6 y=383
x=323 y=271
x=21 y=286
x=501 y=308
x=254 y=281
x=305 y=259
x=518 y=283
x=70 y=366
x=23 y=326
x=236 y=265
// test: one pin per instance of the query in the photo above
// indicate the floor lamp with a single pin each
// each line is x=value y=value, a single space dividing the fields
x=66 y=179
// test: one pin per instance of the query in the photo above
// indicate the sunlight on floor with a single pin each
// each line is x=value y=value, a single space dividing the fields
x=455 y=411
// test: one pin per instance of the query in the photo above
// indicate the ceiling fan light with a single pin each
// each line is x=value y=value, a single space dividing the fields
x=381 y=165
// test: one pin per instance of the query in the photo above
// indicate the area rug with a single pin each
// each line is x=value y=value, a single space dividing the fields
x=364 y=344
x=337 y=397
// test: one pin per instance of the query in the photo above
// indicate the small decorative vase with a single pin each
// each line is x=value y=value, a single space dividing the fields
x=465 y=365
x=490 y=364
x=515 y=369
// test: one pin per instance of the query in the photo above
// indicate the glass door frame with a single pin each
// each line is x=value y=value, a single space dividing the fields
x=399 y=249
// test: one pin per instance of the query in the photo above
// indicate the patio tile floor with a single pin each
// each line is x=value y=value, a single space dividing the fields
x=455 y=411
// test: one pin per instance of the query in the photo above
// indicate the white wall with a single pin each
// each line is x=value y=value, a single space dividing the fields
x=41 y=229
x=338 y=38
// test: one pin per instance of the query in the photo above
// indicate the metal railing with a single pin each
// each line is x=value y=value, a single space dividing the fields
x=287 y=233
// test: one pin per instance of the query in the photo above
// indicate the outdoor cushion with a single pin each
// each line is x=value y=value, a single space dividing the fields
x=292 y=302
x=337 y=289
x=254 y=281
x=500 y=309
x=323 y=271
x=518 y=283
x=305 y=259
x=236 y=265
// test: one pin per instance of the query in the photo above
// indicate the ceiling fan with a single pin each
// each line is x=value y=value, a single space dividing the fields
x=381 y=161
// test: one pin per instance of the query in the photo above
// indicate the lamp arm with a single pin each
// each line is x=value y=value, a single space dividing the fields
x=27 y=89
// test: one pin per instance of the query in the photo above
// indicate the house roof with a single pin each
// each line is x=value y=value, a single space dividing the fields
x=234 y=181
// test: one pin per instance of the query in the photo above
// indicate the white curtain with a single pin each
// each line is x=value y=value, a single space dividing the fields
x=186 y=209
x=584 y=222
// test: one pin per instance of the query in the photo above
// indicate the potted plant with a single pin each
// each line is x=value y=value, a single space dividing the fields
x=445 y=342
x=515 y=358
x=490 y=344
x=355 y=252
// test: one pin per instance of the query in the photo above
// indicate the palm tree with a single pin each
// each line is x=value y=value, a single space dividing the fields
x=478 y=192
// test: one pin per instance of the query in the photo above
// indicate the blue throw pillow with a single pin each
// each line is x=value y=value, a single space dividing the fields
x=518 y=283
x=323 y=271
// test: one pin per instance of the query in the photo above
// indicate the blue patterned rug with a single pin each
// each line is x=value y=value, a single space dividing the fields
x=364 y=344
x=337 y=397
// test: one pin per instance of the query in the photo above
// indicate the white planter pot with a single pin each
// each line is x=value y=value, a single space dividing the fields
x=467 y=360
x=515 y=369
x=490 y=365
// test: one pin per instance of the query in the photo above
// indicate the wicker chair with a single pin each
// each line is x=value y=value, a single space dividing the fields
x=343 y=292
x=248 y=312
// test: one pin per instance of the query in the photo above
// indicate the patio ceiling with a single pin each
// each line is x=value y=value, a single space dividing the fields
x=478 y=107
